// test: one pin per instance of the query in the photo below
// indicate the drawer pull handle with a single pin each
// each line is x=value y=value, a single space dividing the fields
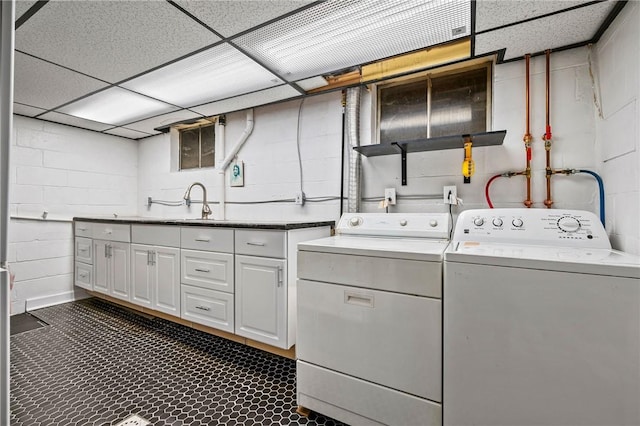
x=255 y=244
x=85 y=249
x=203 y=240
x=203 y=308
x=202 y=270
x=83 y=275
x=82 y=229
x=358 y=299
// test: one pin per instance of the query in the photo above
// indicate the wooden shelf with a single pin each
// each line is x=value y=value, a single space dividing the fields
x=431 y=144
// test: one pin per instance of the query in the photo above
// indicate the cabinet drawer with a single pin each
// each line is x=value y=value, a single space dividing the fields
x=112 y=232
x=84 y=250
x=207 y=307
x=83 y=275
x=84 y=229
x=261 y=243
x=156 y=235
x=209 y=270
x=207 y=239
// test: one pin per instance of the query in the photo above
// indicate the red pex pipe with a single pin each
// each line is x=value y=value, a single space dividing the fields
x=486 y=190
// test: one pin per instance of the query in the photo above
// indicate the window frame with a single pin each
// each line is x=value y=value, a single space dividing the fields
x=427 y=76
x=210 y=122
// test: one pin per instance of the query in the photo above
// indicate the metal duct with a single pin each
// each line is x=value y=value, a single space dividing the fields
x=352 y=111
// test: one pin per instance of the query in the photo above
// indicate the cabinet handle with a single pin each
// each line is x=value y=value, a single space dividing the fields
x=203 y=240
x=110 y=251
x=203 y=308
x=202 y=270
x=106 y=250
x=86 y=249
x=148 y=257
x=279 y=276
x=82 y=229
x=153 y=257
x=83 y=275
x=249 y=243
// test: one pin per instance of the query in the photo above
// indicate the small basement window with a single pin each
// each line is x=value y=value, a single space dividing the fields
x=197 y=146
x=438 y=103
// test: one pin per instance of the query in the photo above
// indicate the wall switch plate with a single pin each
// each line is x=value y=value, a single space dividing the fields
x=299 y=198
x=450 y=194
x=390 y=195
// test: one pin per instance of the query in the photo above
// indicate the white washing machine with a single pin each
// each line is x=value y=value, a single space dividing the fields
x=541 y=322
x=369 y=333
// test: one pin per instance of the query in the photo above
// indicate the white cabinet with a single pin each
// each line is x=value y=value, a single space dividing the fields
x=83 y=263
x=112 y=268
x=261 y=299
x=155 y=278
x=155 y=267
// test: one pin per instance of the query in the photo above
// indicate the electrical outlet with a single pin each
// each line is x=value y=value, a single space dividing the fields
x=390 y=195
x=300 y=198
x=450 y=194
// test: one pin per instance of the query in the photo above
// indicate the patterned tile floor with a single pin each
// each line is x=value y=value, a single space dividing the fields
x=98 y=364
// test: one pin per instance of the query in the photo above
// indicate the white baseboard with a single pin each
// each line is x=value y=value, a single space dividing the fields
x=55 y=299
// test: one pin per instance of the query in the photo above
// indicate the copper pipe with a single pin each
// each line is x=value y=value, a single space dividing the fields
x=527 y=136
x=548 y=202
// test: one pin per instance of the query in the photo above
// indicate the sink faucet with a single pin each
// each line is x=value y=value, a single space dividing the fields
x=206 y=210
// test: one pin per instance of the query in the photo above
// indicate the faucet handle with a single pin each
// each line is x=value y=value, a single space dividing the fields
x=206 y=211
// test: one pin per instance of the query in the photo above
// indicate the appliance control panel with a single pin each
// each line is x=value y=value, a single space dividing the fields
x=550 y=227
x=407 y=225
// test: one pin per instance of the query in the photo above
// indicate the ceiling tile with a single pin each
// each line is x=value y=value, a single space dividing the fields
x=127 y=133
x=39 y=83
x=496 y=13
x=216 y=73
x=116 y=106
x=22 y=6
x=232 y=17
x=75 y=121
x=27 y=110
x=111 y=40
x=563 y=29
x=262 y=97
x=339 y=34
x=150 y=124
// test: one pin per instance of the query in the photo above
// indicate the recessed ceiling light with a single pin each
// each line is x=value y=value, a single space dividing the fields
x=116 y=106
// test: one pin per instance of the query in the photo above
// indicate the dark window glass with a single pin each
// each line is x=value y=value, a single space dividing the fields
x=403 y=112
x=206 y=147
x=197 y=147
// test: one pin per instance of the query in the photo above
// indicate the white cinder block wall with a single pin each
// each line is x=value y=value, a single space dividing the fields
x=271 y=169
x=618 y=132
x=67 y=172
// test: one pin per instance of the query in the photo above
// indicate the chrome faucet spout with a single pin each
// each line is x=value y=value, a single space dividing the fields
x=206 y=210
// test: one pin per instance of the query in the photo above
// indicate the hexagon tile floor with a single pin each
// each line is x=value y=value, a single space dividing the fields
x=99 y=364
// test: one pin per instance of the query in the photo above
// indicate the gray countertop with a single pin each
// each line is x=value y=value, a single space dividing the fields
x=283 y=225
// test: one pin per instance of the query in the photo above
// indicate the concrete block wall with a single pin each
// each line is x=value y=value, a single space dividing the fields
x=617 y=72
x=67 y=172
x=573 y=145
x=271 y=169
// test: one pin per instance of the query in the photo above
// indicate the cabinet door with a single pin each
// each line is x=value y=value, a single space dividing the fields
x=100 y=266
x=261 y=299
x=166 y=270
x=120 y=258
x=141 y=275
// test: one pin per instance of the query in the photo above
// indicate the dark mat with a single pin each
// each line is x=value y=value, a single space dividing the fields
x=25 y=322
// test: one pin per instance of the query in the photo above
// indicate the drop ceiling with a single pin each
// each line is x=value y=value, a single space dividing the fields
x=128 y=68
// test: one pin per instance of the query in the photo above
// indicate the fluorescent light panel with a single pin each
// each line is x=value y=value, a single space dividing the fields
x=218 y=73
x=116 y=106
x=339 y=34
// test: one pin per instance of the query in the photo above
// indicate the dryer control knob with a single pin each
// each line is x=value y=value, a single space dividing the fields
x=433 y=223
x=403 y=222
x=355 y=221
x=478 y=221
x=517 y=223
x=497 y=222
x=569 y=224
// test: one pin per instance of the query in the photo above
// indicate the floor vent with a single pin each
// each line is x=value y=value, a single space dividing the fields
x=134 y=420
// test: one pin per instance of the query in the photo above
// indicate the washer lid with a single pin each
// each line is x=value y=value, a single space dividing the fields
x=564 y=259
x=400 y=248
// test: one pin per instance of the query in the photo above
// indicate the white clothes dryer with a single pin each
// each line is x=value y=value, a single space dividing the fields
x=541 y=322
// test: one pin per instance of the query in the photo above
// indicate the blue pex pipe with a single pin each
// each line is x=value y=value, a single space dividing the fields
x=601 y=186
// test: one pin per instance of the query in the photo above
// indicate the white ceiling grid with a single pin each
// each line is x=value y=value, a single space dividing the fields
x=140 y=65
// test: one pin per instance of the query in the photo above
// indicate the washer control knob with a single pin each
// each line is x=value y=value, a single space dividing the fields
x=403 y=222
x=355 y=221
x=569 y=224
x=433 y=223
x=517 y=223
x=478 y=221
x=497 y=222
